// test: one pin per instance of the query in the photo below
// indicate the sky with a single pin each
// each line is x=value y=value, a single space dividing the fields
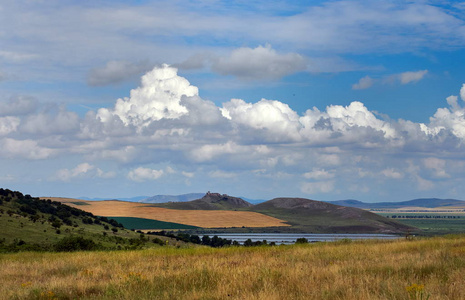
x=325 y=100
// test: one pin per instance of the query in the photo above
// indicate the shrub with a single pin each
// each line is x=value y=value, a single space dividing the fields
x=57 y=224
x=75 y=243
x=301 y=241
x=158 y=241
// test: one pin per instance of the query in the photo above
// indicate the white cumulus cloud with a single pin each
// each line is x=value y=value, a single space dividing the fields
x=392 y=173
x=18 y=106
x=8 y=124
x=276 y=119
x=84 y=170
x=28 y=149
x=319 y=174
x=317 y=187
x=363 y=83
x=159 y=97
x=259 y=63
x=144 y=174
x=408 y=77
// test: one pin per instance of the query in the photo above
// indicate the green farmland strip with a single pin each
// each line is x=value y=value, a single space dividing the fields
x=140 y=223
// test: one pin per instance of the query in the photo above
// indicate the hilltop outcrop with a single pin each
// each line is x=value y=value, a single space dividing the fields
x=210 y=201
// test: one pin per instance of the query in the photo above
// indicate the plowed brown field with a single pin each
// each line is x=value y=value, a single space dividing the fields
x=200 y=218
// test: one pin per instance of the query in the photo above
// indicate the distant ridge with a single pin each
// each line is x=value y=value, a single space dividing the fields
x=172 y=198
x=421 y=202
x=132 y=199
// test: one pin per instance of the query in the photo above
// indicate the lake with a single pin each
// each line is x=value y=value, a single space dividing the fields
x=290 y=238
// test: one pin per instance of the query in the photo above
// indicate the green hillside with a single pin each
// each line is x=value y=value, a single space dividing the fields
x=317 y=216
x=29 y=223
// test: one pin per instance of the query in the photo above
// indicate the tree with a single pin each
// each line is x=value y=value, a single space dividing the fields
x=248 y=243
x=206 y=240
x=56 y=224
x=301 y=241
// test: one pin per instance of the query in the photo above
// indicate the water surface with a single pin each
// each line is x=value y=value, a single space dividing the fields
x=290 y=238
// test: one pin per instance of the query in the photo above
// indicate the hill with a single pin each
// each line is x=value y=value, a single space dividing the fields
x=210 y=201
x=30 y=223
x=422 y=202
x=317 y=216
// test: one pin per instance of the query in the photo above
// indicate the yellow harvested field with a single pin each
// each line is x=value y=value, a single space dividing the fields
x=200 y=218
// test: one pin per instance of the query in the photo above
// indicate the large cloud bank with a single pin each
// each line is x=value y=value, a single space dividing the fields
x=165 y=123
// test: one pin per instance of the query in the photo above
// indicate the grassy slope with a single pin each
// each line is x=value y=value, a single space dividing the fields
x=315 y=216
x=19 y=227
x=419 y=269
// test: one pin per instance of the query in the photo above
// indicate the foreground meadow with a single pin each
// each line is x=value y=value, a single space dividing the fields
x=403 y=269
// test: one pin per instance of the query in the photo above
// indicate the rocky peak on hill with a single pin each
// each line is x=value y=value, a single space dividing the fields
x=225 y=199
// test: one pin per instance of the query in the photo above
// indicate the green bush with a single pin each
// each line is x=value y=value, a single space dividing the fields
x=75 y=243
x=301 y=241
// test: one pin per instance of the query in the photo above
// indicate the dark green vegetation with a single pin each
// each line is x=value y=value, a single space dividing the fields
x=303 y=215
x=211 y=201
x=140 y=223
x=215 y=241
x=423 y=202
x=28 y=223
x=80 y=203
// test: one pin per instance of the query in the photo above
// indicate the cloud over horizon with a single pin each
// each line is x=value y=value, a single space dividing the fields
x=164 y=125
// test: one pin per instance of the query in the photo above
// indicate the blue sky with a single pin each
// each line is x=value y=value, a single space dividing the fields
x=324 y=100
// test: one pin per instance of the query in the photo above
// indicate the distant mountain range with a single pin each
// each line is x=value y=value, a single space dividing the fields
x=422 y=202
x=133 y=199
x=171 y=198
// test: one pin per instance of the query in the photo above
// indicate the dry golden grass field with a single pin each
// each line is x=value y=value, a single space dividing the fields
x=431 y=268
x=200 y=218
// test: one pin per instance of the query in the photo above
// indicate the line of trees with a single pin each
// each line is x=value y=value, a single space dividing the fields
x=423 y=217
x=214 y=241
